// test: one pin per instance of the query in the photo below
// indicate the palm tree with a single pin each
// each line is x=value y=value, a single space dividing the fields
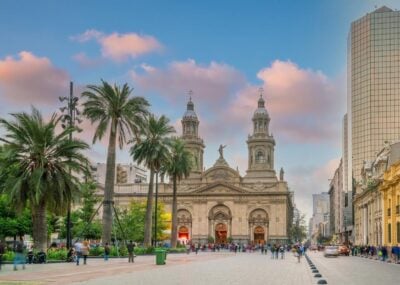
x=176 y=167
x=113 y=109
x=40 y=166
x=152 y=150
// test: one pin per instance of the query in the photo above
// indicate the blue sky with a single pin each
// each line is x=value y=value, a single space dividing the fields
x=223 y=50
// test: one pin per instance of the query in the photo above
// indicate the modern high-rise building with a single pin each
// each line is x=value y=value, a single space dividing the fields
x=320 y=218
x=373 y=87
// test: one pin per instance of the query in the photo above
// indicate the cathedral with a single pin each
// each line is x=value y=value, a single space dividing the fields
x=218 y=204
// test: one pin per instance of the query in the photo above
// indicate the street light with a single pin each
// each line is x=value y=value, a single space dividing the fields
x=155 y=216
x=70 y=117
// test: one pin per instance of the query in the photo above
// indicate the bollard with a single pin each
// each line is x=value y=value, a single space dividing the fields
x=315 y=271
x=317 y=275
x=322 y=281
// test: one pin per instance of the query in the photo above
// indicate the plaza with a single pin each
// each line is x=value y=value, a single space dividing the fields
x=209 y=268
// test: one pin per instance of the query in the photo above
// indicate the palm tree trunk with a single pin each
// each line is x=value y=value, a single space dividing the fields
x=109 y=186
x=174 y=229
x=39 y=226
x=149 y=212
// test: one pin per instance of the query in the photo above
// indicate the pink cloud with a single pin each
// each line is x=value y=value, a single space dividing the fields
x=85 y=61
x=304 y=105
x=308 y=180
x=211 y=84
x=122 y=46
x=87 y=36
x=119 y=47
x=31 y=79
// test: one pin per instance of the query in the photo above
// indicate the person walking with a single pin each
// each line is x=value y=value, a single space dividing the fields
x=298 y=253
x=85 y=251
x=78 y=251
x=131 y=252
x=2 y=251
x=19 y=255
x=282 y=251
x=106 y=251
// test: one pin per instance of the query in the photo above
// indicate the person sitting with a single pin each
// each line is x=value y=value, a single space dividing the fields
x=71 y=255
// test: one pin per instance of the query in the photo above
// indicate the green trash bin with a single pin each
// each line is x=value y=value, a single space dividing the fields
x=160 y=256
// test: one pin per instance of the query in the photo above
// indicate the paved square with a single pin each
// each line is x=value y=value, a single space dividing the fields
x=204 y=268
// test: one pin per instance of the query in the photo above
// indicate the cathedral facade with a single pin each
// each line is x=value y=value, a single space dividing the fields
x=218 y=204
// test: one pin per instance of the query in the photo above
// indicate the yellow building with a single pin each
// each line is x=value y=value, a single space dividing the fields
x=390 y=190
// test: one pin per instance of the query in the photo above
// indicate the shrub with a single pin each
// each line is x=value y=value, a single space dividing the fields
x=176 y=250
x=8 y=256
x=122 y=251
x=96 y=251
x=57 y=254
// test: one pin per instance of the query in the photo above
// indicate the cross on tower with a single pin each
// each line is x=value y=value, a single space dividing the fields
x=261 y=91
x=190 y=92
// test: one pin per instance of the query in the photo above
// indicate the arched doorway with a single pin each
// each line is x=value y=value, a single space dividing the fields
x=258 y=226
x=221 y=233
x=220 y=223
x=259 y=235
x=184 y=226
x=183 y=233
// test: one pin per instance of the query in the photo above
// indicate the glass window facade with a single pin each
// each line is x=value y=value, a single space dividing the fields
x=374 y=65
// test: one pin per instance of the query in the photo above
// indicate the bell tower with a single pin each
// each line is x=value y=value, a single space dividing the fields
x=260 y=146
x=190 y=135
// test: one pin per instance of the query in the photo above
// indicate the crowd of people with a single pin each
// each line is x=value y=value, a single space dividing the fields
x=382 y=253
x=277 y=250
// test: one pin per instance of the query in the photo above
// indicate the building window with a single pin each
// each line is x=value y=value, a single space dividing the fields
x=389 y=233
x=260 y=157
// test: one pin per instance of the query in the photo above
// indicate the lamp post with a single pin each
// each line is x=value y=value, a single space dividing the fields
x=69 y=118
x=156 y=210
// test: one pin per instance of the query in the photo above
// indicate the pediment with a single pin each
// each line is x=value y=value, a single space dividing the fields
x=219 y=188
x=221 y=173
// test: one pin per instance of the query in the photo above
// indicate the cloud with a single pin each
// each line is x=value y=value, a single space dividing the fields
x=120 y=47
x=211 y=84
x=304 y=105
x=86 y=62
x=30 y=78
x=308 y=180
x=87 y=36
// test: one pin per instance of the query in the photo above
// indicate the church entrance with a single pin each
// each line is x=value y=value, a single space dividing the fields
x=259 y=235
x=221 y=233
x=183 y=234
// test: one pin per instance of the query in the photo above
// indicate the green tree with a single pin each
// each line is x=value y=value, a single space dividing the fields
x=40 y=161
x=152 y=150
x=83 y=224
x=12 y=223
x=298 y=231
x=133 y=221
x=177 y=166
x=113 y=109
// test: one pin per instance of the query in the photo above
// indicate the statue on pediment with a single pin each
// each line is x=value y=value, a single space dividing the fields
x=221 y=150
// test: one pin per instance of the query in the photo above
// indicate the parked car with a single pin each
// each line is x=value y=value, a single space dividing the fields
x=331 y=250
x=344 y=250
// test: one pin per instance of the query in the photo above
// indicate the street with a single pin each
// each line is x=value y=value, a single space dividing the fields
x=209 y=268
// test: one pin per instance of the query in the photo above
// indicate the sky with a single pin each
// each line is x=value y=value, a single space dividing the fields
x=222 y=50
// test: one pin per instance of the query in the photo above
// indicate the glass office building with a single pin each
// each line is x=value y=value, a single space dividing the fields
x=374 y=86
